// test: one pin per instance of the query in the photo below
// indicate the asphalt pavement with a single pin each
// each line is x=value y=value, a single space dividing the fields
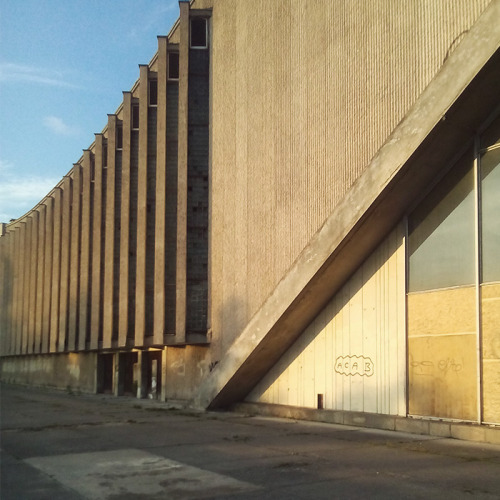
x=59 y=445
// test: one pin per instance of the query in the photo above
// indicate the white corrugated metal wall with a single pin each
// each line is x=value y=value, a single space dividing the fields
x=354 y=352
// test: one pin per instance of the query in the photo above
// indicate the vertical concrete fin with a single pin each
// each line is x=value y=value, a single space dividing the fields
x=26 y=283
x=47 y=274
x=97 y=241
x=180 y=306
x=86 y=243
x=33 y=281
x=160 y=210
x=13 y=307
x=40 y=278
x=142 y=186
x=109 y=237
x=124 y=269
x=67 y=193
x=74 y=267
x=9 y=290
x=56 y=271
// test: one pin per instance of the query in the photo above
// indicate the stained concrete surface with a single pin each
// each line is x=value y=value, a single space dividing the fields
x=66 y=446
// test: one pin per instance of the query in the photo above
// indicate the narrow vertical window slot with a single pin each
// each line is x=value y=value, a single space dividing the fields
x=119 y=137
x=199 y=33
x=173 y=66
x=135 y=116
x=153 y=92
x=105 y=153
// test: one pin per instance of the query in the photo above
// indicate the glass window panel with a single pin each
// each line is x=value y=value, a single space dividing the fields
x=198 y=32
x=153 y=92
x=442 y=233
x=135 y=116
x=491 y=135
x=119 y=136
x=490 y=209
x=173 y=65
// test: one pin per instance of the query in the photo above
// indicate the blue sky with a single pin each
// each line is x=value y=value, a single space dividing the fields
x=63 y=67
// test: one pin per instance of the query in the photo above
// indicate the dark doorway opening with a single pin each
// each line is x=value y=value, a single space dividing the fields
x=153 y=374
x=127 y=379
x=105 y=373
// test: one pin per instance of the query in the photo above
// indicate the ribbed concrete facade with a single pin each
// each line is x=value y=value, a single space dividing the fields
x=252 y=147
x=308 y=94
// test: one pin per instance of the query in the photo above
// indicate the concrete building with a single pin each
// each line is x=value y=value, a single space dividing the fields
x=295 y=209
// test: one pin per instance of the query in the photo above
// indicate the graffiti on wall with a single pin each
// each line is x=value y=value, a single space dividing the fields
x=444 y=365
x=354 y=365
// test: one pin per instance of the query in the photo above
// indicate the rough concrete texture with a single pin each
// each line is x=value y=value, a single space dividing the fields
x=110 y=474
x=417 y=425
x=57 y=445
x=72 y=371
x=186 y=368
x=410 y=159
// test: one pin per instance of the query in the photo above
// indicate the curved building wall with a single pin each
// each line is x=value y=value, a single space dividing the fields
x=78 y=270
x=178 y=222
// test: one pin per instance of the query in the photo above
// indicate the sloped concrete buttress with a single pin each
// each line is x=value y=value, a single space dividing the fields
x=458 y=100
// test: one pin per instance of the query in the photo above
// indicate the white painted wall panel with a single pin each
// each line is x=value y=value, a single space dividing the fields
x=365 y=319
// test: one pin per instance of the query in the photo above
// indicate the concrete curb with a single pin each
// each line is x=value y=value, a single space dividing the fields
x=446 y=429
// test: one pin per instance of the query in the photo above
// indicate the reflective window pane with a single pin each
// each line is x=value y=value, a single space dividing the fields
x=442 y=233
x=491 y=135
x=490 y=207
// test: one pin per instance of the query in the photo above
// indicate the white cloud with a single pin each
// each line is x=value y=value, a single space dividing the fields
x=20 y=193
x=58 y=126
x=5 y=167
x=11 y=72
